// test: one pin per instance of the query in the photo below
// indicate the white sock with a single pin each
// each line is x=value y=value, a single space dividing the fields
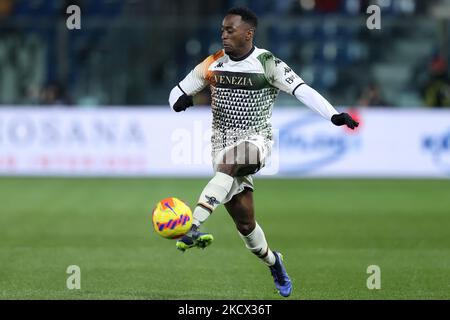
x=212 y=196
x=256 y=243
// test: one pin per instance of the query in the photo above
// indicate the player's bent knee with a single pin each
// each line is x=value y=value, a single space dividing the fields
x=243 y=154
x=228 y=169
x=238 y=170
x=242 y=160
x=246 y=170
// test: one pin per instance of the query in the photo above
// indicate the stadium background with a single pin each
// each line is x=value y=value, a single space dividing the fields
x=86 y=143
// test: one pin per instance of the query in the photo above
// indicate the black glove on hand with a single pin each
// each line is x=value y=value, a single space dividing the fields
x=344 y=118
x=183 y=103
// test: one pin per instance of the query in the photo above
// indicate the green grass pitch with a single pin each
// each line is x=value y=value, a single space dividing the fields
x=329 y=231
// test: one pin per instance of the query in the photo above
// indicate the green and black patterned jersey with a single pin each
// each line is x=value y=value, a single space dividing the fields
x=243 y=93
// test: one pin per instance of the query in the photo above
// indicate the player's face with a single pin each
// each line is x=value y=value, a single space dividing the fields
x=236 y=34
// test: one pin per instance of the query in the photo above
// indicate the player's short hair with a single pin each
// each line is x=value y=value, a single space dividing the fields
x=246 y=14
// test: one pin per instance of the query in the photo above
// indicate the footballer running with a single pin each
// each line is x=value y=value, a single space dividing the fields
x=244 y=81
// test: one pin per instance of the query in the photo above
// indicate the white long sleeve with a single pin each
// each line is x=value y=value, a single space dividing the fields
x=175 y=94
x=315 y=101
x=195 y=81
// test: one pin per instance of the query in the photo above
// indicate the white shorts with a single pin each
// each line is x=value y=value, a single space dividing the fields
x=240 y=183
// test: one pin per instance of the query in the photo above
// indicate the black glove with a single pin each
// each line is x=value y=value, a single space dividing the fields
x=183 y=103
x=344 y=118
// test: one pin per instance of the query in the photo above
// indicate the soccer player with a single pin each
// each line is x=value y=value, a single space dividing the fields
x=244 y=81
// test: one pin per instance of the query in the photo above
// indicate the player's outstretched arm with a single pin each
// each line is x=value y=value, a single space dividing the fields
x=179 y=101
x=180 y=97
x=280 y=75
x=315 y=101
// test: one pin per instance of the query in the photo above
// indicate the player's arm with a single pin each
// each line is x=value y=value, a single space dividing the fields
x=179 y=100
x=180 y=97
x=283 y=77
x=317 y=102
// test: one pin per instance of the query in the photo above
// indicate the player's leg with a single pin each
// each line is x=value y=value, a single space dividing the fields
x=239 y=160
x=211 y=197
x=241 y=209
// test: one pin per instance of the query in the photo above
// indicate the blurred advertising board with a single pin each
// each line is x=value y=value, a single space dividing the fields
x=156 y=141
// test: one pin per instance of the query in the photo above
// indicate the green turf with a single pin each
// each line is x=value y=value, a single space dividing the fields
x=329 y=231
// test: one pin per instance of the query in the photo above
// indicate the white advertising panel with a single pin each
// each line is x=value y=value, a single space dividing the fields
x=159 y=142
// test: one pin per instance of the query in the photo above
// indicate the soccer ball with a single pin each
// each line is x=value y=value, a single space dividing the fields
x=172 y=218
